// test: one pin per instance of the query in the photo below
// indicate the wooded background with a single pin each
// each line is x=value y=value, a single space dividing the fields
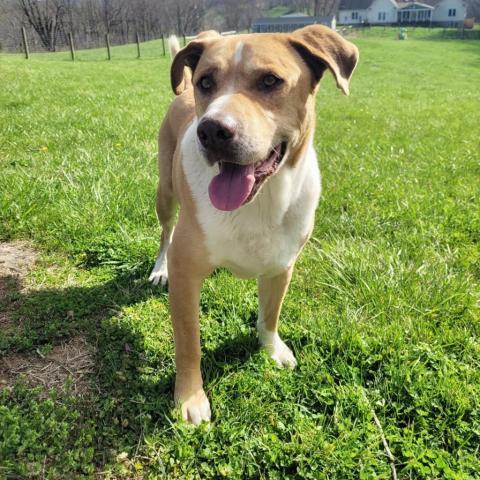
x=48 y=22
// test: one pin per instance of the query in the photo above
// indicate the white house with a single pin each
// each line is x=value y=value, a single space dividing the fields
x=449 y=13
x=383 y=11
x=352 y=12
x=414 y=12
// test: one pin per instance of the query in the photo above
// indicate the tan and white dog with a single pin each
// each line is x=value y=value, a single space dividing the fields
x=236 y=153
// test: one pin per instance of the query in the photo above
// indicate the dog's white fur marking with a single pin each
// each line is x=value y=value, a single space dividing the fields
x=217 y=109
x=196 y=408
x=238 y=53
x=159 y=273
x=173 y=45
x=275 y=346
x=219 y=104
x=272 y=342
x=281 y=215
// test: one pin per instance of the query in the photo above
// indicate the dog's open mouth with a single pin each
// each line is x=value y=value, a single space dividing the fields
x=237 y=184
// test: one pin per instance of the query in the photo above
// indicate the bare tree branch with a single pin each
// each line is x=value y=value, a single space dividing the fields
x=45 y=18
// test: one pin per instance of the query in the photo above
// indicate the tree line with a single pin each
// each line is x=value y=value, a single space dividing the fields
x=48 y=22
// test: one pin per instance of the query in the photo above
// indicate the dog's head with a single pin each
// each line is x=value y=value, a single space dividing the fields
x=254 y=100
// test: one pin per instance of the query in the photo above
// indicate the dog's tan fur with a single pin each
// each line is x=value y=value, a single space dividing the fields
x=300 y=59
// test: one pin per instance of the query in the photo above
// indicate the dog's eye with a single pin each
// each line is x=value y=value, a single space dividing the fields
x=206 y=83
x=269 y=81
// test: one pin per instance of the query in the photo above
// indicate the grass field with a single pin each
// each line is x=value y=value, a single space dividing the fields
x=382 y=315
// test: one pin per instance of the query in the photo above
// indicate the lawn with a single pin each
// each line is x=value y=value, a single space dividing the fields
x=382 y=315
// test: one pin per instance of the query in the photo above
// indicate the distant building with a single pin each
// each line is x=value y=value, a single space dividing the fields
x=448 y=13
x=414 y=12
x=290 y=22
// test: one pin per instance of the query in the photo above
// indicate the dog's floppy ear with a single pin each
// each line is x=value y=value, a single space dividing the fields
x=322 y=48
x=189 y=57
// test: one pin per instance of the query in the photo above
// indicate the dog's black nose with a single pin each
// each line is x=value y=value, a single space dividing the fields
x=215 y=135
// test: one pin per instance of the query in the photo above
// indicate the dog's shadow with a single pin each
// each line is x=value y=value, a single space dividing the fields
x=128 y=392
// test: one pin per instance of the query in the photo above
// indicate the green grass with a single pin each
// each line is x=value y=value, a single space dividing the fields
x=382 y=314
x=280 y=10
x=413 y=32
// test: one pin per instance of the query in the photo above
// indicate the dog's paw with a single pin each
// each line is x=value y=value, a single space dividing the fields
x=159 y=279
x=277 y=349
x=159 y=274
x=195 y=408
x=282 y=355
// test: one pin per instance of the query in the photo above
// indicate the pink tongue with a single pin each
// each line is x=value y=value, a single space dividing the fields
x=232 y=186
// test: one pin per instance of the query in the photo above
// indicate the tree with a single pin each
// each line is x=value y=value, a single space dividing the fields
x=46 y=19
x=325 y=7
x=112 y=13
x=239 y=15
x=473 y=9
x=185 y=16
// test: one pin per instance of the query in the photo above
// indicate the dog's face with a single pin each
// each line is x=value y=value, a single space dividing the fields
x=252 y=98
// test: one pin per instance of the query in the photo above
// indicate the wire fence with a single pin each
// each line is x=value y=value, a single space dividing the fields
x=130 y=44
x=85 y=38
x=413 y=32
x=93 y=46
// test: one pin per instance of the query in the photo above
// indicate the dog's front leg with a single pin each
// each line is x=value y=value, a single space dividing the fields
x=186 y=276
x=271 y=292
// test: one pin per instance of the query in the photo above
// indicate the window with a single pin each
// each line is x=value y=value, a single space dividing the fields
x=452 y=12
x=382 y=15
x=354 y=15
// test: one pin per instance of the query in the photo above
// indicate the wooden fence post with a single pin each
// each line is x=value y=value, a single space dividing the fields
x=163 y=44
x=25 y=43
x=72 y=48
x=107 y=41
x=137 y=38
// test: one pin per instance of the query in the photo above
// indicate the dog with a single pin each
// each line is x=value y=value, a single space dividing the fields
x=236 y=155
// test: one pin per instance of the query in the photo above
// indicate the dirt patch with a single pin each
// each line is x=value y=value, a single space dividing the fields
x=71 y=361
x=16 y=260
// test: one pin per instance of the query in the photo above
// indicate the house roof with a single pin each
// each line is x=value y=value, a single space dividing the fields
x=354 y=4
x=304 y=20
x=431 y=3
x=403 y=5
x=364 y=4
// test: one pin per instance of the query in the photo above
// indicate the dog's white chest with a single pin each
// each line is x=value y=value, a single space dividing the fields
x=264 y=236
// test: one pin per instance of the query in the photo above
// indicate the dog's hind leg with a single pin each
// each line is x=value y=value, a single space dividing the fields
x=166 y=206
x=271 y=292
